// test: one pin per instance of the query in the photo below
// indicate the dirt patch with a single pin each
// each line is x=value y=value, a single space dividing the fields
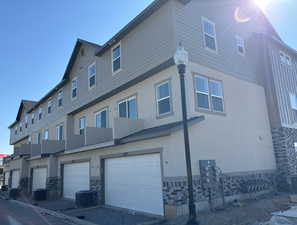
x=250 y=211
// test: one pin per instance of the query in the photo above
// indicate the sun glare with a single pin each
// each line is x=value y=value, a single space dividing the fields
x=262 y=3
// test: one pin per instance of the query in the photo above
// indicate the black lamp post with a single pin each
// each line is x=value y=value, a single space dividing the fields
x=181 y=59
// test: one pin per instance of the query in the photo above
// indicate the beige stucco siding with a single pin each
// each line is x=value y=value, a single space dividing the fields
x=239 y=139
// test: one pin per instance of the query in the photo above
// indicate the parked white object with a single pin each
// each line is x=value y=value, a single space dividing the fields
x=76 y=178
x=135 y=183
x=39 y=178
x=15 y=179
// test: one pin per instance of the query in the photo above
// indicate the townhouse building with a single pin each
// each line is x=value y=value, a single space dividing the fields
x=113 y=123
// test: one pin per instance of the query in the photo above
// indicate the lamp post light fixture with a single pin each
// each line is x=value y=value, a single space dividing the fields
x=181 y=59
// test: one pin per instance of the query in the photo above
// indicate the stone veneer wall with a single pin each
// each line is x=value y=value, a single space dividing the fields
x=95 y=184
x=54 y=187
x=285 y=154
x=24 y=184
x=175 y=189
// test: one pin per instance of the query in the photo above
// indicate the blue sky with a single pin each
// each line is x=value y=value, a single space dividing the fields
x=37 y=38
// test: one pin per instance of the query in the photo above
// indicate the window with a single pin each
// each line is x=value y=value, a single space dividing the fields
x=40 y=114
x=16 y=131
x=209 y=34
x=92 y=75
x=60 y=98
x=21 y=127
x=29 y=140
x=240 y=43
x=101 y=119
x=285 y=59
x=163 y=98
x=33 y=118
x=82 y=124
x=116 y=58
x=26 y=121
x=38 y=138
x=209 y=94
x=59 y=132
x=128 y=108
x=49 y=106
x=293 y=101
x=46 y=134
x=74 y=89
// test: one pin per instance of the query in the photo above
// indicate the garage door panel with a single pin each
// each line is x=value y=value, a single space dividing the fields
x=76 y=178
x=39 y=178
x=15 y=179
x=134 y=183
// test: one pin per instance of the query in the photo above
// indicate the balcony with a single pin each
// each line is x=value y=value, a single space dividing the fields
x=24 y=149
x=47 y=147
x=99 y=136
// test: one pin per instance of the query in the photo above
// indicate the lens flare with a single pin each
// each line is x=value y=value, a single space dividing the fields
x=262 y=3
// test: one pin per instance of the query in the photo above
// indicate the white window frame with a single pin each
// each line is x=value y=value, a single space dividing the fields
x=60 y=97
x=92 y=75
x=99 y=112
x=204 y=93
x=26 y=121
x=80 y=127
x=46 y=135
x=58 y=132
x=240 y=43
x=50 y=106
x=33 y=118
x=213 y=36
x=72 y=88
x=112 y=59
x=127 y=100
x=216 y=96
x=168 y=97
x=40 y=113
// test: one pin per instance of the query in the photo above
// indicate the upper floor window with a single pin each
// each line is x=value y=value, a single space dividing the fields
x=293 y=102
x=286 y=59
x=40 y=114
x=21 y=127
x=240 y=43
x=46 y=134
x=29 y=139
x=163 y=94
x=59 y=132
x=16 y=131
x=60 y=98
x=82 y=125
x=26 y=121
x=128 y=108
x=74 y=89
x=209 y=34
x=116 y=58
x=209 y=94
x=38 y=141
x=33 y=118
x=49 y=106
x=92 y=75
x=101 y=119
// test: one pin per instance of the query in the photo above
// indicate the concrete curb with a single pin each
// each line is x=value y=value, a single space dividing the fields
x=74 y=220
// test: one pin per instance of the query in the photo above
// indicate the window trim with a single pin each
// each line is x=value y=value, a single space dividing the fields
x=26 y=121
x=40 y=111
x=58 y=132
x=210 y=110
x=44 y=136
x=216 y=96
x=83 y=118
x=159 y=116
x=60 y=96
x=50 y=106
x=71 y=89
x=126 y=100
x=286 y=62
x=215 y=36
x=92 y=64
x=239 y=38
x=33 y=118
x=119 y=44
x=107 y=116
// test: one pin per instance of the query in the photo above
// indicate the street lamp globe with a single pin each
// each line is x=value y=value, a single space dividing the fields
x=181 y=56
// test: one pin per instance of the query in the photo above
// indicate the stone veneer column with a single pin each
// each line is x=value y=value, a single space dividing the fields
x=285 y=154
x=95 y=184
x=53 y=183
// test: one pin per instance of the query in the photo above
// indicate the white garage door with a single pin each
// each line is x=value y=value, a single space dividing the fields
x=76 y=178
x=39 y=178
x=134 y=183
x=15 y=179
x=6 y=178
